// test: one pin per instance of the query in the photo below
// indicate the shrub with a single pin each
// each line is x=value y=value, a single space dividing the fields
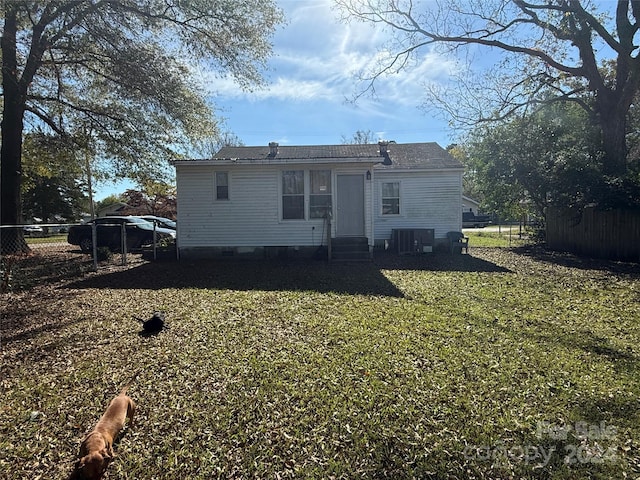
x=103 y=254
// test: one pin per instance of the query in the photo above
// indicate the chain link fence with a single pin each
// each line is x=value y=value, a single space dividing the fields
x=38 y=254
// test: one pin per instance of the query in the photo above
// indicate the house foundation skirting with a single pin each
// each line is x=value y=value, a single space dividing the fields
x=439 y=245
x=290 y=252
x=253 y=252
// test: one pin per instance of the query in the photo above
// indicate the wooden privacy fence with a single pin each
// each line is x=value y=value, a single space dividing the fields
x=611 y=234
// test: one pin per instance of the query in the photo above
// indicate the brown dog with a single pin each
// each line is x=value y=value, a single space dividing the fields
x=96 y=449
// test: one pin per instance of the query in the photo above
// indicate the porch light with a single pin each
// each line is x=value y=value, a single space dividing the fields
x=368 y=174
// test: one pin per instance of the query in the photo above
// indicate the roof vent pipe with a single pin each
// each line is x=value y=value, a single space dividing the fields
x=273 y=149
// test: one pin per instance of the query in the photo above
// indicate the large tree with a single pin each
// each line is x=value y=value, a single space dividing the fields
x=553 y=50
x=155 y=198
x=550 y=157
x=119 y=73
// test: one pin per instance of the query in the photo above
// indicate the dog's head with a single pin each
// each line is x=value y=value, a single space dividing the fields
x=93 y=465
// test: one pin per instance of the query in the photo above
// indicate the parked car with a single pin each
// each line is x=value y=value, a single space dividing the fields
x=138 y=232
x=33 y=231
x=57 y=229
x=160 y=221
x=471 y=220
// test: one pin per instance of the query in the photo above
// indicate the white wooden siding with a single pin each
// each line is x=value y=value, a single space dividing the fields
x=427 y=200
x=251 y=217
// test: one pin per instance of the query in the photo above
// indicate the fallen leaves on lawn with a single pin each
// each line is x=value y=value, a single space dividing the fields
x=405 y=368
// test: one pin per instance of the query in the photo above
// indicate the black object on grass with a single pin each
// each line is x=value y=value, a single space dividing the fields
x=154 y=324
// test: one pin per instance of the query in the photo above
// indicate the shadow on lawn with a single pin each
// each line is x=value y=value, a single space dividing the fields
x=595 y=408
x=271 y=275
x=623 y=360
x=361 y=278
x=541 y=254
x=22 y=321
x=436 y=262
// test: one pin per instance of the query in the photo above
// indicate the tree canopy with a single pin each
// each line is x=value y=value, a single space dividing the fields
x=212 y=145
x=547 y=158
x=116 y=77
x=155 y=199
x=572 y=51
x=53 y=187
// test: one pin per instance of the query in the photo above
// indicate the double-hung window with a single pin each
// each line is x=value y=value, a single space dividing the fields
x=320 y=194
x=222 y=185
x=293 y=195
x=391 y=198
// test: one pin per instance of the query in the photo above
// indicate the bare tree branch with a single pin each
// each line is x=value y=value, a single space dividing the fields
x=564 y=43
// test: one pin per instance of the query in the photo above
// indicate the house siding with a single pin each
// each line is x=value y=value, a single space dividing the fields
x=241 y=221
x=428 y=199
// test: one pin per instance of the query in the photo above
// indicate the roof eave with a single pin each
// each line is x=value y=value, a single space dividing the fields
x=419 y=169
x=277 y=161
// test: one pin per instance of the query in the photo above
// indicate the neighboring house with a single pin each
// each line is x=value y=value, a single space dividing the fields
x=271 y=199
x=166 y=209
x=117 y=208
x=470 y=205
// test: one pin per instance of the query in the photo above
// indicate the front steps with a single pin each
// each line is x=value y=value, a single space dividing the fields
x=350 y=249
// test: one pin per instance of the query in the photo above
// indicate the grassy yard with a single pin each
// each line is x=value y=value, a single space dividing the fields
x=57 y=238
x=503 y=236
x=498 y=364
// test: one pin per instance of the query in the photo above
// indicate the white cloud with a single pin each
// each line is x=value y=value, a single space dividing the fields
x=319 y=58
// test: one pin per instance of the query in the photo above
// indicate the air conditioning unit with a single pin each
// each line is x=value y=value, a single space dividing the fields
x=412 y=241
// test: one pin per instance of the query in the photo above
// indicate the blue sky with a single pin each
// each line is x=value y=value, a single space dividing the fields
x=312 y=77
x=310 y=80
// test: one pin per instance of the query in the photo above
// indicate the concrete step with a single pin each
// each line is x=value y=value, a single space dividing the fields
x=350 y=249
x=352 y=255
x=350 y=242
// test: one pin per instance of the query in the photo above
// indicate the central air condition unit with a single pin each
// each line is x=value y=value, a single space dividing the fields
x=411 y=241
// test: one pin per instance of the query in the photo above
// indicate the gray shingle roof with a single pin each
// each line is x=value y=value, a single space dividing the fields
x=420 y=155
x=304 y=152
x=427 y=155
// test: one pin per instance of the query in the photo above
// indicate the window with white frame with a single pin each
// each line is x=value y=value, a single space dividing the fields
x=391 y=198
x=222 y=185
x=320 y=193
x=293 y=195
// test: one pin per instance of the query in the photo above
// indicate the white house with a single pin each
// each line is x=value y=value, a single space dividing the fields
x=116 y=208
x=294 y=199
x=470 y=205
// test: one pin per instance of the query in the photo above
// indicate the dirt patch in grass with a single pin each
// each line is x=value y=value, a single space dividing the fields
x=498 y=364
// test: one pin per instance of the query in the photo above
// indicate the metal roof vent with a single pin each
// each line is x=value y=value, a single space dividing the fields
x=273 y=149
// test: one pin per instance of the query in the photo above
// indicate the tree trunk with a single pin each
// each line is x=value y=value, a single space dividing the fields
x=11 y=180
x=613 y=121
x=12 y=239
